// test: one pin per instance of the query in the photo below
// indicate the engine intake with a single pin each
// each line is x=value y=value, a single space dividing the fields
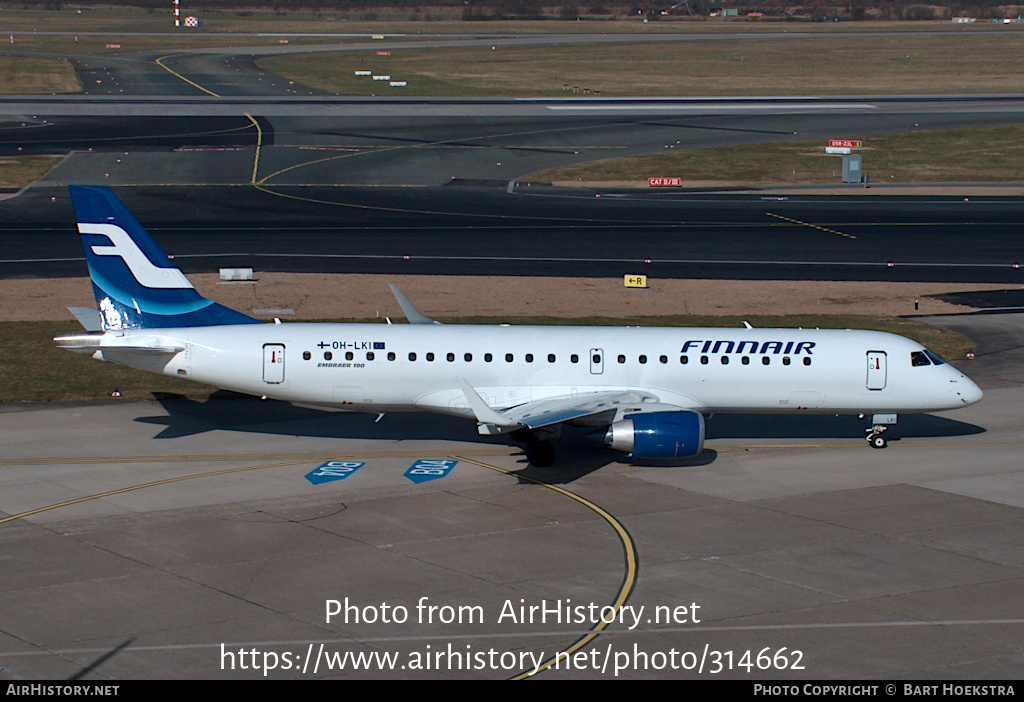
x=658 y=434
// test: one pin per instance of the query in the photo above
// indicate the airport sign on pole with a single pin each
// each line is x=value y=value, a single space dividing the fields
x=845 y=143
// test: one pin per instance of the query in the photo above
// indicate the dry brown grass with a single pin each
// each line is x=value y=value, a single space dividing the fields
x=961 y=63
x=33 y=76
x=976 y=154
x=19 y=171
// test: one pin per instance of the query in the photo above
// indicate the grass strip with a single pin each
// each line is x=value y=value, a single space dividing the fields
x=37 y=76
x=970 y=154
x=859 y=65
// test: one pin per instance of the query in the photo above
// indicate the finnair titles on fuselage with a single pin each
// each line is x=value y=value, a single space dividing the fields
x=649 y=388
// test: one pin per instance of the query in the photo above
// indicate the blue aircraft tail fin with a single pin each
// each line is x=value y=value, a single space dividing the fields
x=135 y=283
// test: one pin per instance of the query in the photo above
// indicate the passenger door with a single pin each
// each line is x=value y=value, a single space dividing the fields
x=273 y=363
x=876 y=370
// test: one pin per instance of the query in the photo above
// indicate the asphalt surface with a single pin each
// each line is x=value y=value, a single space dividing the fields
x=479 y=229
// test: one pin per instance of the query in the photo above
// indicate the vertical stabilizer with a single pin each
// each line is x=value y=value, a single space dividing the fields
x=135 y=283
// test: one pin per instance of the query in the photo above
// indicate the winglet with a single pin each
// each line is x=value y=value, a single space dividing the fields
x=483 y=413
x=411 y=313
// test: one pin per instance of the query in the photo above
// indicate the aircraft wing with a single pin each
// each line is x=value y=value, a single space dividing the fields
x=554 y=410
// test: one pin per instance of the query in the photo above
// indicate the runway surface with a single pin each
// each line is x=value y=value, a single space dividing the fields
x=480 y=229
x=170 y=539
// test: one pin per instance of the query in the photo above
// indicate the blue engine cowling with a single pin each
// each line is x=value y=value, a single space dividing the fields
x=658 y=434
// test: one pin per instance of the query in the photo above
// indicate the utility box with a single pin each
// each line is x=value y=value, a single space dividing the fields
x=852 y=169
x=237 y=273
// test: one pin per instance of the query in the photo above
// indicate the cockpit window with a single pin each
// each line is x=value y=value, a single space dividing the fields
x=918 y=358
x=936 y=359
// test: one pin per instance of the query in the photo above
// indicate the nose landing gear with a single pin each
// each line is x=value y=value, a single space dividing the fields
x=880 y=423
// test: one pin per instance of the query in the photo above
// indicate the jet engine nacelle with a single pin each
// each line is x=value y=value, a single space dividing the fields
x=658 y=434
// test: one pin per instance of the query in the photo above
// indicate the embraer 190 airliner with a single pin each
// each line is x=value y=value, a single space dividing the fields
x=649 y=389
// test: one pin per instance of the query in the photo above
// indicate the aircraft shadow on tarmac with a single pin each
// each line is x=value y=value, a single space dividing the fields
x=829 y=426
x=580 y=451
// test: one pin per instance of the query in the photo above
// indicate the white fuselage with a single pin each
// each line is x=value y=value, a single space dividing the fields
x=370 y=366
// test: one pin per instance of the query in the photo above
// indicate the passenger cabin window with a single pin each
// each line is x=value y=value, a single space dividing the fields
x=328 y=355
x=551 y=358
x=369 y=355
x=488 y=357
x=391 y=355
x=574 y=358
x=306 y=355
x=468 y=357
x=508 y=358
x=643 y=359
x=451 y=357
x=529 y=358
x=663 y=359
x=349 y=355
x=412 y=355
x=430 y=355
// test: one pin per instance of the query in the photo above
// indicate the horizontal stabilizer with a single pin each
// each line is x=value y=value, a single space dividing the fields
x=88 y=317
x=91 y=342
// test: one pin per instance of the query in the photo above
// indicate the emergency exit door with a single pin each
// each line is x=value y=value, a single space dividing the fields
x=273 y=363
x=596 y=361
x=876 y=370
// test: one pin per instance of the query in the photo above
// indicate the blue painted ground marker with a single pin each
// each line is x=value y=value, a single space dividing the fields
x=333 y=470
x=429 y=469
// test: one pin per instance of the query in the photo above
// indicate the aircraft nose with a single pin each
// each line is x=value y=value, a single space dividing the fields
x=967 y=390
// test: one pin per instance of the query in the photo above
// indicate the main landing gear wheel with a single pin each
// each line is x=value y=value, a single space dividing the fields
x=540 y=453
x=523 y=434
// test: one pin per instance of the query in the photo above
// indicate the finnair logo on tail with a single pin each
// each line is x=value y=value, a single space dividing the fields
x=141 y=267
